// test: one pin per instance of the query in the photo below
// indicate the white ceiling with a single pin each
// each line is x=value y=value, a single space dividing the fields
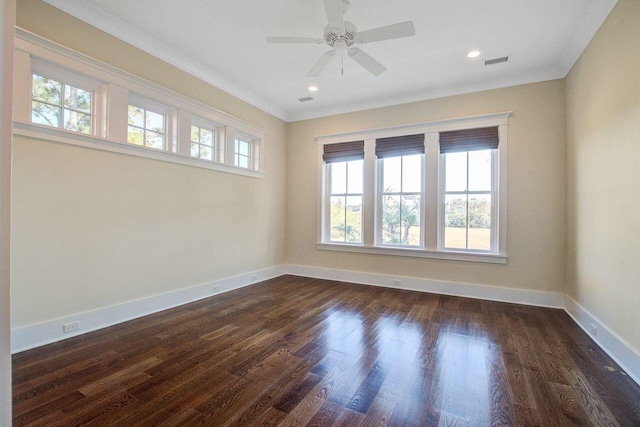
x=224 y=43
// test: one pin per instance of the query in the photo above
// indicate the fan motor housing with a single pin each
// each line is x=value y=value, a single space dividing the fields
x=346 y=39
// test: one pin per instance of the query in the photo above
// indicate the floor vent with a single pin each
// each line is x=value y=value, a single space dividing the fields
x=305 y=99
x=496 y=61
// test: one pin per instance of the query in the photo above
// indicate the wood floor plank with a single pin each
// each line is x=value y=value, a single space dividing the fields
x=298 y=351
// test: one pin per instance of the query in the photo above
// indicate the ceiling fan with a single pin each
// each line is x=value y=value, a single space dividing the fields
x=341 y=35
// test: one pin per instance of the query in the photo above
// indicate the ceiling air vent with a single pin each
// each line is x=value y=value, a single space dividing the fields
x=305 y=99
x=496 y=61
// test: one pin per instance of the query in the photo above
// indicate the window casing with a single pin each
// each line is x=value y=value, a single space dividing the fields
x=434 y=232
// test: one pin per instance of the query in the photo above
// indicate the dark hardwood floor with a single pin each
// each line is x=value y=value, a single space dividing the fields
x=296 y=351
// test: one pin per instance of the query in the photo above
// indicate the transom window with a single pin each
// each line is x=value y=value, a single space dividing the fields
x=203 y=143
x=60 y=105
x=242 y=152
x=146 y=128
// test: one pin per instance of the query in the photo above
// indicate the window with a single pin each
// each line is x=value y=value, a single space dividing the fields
x=204 y=143
x=440 y=193
x=345 y=172
x=346 y=201
x=400 y=162
x=60 y=105
x=246 y=152
x=146 y=128
x=468 y=163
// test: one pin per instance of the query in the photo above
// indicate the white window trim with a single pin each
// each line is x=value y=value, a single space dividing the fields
x=431 y=172
x=110 y=118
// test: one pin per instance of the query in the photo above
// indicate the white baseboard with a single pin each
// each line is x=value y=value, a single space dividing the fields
x=617 y=348
x=491 y=293
x=39 y=334
x=36 y=335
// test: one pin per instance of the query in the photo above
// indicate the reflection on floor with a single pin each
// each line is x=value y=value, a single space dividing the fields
x=298 y=351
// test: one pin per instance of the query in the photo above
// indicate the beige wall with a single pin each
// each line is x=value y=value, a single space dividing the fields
x=93 y=229
x=603 y=133
x=536 y=195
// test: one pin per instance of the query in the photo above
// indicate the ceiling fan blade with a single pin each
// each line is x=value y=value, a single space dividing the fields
x=322 y=62
x=395 y=31
x=362 y=58
x=277 y=39
x=335 y=14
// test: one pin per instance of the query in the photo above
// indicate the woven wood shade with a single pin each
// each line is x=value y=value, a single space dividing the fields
x=469 y=140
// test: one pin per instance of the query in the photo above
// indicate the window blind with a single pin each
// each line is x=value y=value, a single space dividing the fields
x=343 y=151
x=469 y=140
x=400 y=146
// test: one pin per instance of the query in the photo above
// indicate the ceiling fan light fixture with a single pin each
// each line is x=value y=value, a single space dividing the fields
x=473 y=54
x=313 y=88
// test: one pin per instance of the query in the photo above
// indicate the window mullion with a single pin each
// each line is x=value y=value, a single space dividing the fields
x=369 y=194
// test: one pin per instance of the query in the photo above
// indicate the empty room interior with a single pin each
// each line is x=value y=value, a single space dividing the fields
x=320 y=212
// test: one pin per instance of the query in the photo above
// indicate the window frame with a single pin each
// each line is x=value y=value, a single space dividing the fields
x=442 y=194
x=380 y=193
x=433 y=182
x=327 y=214
x=217 y=147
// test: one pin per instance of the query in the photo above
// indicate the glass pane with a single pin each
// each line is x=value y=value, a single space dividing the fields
x=480 y=170
x=207 y=137
x=44 y=114
x=77 y=99
x=480 y=222
x=155 y=140
x=353 y=228
x=155 y=122
x=456 y=171
x=412 y=173
x=195 y=134
x=77 y=122
x=195 y=152
x=337 y=223
x=410 y=226
x=455 y=222
x=135 y=136
x=355 y=176
x=243 y=148
x=205 y=152
x=46 y=90
x=243 y=161
x=391 y=173
x=136 y=116
x=338 y=177
x=391 y=220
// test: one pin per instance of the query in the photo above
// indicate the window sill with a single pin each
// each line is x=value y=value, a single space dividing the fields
x=416 y=253
x=44 y=133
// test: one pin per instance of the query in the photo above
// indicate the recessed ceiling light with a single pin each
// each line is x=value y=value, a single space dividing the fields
x=473 y=54
x=313 y=88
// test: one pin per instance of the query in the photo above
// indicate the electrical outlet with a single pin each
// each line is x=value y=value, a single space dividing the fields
x=397 y=282
x=215 y=288
x=254 y=278
x=594 y=330
x=70 y=327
